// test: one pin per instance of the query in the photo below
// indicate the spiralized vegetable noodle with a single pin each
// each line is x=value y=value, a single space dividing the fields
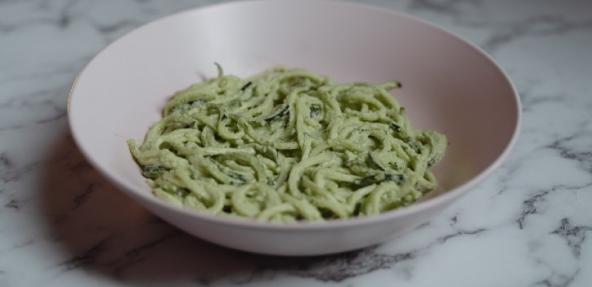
x=288 y=145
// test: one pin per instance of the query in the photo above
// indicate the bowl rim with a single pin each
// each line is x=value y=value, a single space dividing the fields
x=238 y=222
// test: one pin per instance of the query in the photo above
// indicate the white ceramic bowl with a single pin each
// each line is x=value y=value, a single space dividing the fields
x=448 y=85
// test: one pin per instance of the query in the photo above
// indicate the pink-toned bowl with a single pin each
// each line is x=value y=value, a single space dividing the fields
x=448 y=85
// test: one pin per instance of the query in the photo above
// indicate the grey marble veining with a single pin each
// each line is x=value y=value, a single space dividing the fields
x=62 y=224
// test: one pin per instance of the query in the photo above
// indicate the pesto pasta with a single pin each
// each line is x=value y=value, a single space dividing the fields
x=287 y=145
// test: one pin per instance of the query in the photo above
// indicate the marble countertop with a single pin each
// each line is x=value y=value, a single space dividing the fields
x=61 y=224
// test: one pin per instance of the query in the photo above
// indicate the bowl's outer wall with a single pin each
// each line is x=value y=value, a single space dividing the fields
x=294 y=242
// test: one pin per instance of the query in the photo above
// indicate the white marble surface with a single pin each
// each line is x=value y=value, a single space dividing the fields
x=530 y=224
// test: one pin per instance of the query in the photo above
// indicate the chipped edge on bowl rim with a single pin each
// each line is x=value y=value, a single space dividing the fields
x=447 y=196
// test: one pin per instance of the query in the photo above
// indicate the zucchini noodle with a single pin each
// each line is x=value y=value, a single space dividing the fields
x=287 y=145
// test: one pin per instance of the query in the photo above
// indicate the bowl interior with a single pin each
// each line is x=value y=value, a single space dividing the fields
x=448 y=85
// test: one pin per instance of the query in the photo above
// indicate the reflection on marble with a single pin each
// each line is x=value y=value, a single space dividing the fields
x=62 y=224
